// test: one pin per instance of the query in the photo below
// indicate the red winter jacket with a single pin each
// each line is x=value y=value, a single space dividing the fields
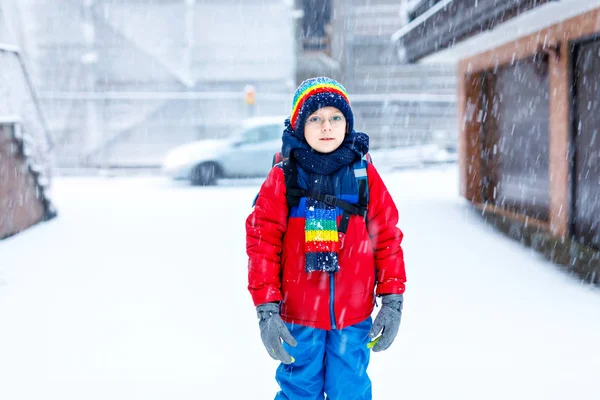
x=371 y=259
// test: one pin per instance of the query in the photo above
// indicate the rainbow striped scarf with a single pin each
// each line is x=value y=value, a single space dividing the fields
x=321 y=243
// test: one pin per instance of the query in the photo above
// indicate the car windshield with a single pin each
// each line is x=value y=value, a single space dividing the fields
x=256 y=134
x=237 y=135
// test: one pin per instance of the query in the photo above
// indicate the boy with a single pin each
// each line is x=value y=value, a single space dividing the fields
x=314 y=268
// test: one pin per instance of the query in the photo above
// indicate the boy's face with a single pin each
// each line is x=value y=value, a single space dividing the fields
x=325 y=129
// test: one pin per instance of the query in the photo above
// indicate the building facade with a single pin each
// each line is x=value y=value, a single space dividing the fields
x=122 y=82
x=528 y=110
x=397 y=104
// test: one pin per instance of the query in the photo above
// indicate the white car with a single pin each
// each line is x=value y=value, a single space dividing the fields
x=247 y=153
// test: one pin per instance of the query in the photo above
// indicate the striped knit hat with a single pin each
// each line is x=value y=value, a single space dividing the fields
x=315 y=93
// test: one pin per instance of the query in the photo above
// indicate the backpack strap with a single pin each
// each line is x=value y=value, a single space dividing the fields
x=352 y=209
x=295 y=193
x=277 y=158
x=290 y=172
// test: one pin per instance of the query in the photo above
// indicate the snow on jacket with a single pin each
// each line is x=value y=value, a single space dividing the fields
x=371 y=259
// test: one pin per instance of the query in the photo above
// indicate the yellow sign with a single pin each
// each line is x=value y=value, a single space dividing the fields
x=249 y=94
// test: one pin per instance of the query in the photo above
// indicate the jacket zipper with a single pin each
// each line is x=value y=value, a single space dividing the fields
x=332 y=294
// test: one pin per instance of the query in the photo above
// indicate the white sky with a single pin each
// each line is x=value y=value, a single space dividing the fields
x=138 y=291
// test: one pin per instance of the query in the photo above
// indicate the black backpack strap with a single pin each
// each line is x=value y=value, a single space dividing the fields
x=293 y=192
x=277 y=158
x=352 y=209
x=349 y=209
x=344 y=222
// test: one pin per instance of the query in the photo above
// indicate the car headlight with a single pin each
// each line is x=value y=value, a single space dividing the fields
x=175 y=159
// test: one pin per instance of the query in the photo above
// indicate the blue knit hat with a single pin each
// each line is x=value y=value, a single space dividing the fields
x=315 y=93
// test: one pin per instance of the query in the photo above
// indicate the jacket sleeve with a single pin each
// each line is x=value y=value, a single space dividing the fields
x=265 y=228
x=386 y=237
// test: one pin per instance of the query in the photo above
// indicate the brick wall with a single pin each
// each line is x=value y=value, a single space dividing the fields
x=20 y=203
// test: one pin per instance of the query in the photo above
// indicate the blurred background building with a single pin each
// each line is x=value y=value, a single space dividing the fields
x=123 y=81
x=397 y=104
x=528 y=106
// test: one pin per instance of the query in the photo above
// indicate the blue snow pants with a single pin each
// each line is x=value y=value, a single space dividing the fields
x=332 y=362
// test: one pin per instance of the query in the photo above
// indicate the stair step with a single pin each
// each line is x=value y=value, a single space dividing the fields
x=422 y=79
x=406 y=88
x=408 y=121
x=401 y=123
x=388 y=112
x=376 y=9
x=413 y=108
x=359 y=113
x=408 y=71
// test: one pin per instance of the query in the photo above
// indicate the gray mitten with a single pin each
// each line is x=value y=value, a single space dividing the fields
x=272 y=330
x=388 y=320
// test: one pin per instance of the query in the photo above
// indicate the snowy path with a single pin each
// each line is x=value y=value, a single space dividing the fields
x=138 y=291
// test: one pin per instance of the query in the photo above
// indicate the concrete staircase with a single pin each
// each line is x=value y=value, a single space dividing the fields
x=398 y=105
x=406 y=105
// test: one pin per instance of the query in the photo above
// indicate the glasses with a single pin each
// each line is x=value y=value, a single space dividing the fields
x=336 y=120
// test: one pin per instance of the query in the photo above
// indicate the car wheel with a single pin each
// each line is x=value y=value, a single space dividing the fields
x=204 y=174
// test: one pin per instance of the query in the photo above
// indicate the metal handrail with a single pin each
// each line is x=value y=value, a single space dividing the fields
x=17 y=52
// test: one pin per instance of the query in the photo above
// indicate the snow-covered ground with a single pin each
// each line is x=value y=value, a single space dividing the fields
x=138 y=291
